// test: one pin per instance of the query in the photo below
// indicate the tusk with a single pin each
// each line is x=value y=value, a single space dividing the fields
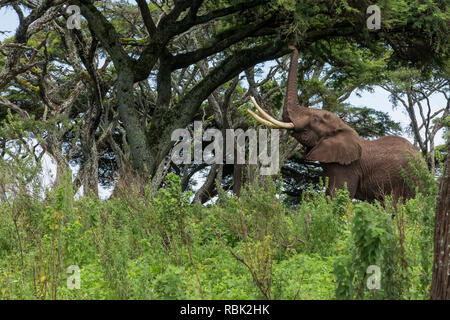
x=261 y=120
x=281 y=124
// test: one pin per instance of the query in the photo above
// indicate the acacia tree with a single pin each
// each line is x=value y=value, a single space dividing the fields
x=63 y=91
x=414 y=92
x=257 y=32
x=149 y=146
x=156 y=87
x=27 y=53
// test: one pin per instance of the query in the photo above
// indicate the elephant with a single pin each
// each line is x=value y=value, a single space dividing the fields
x=369 y=169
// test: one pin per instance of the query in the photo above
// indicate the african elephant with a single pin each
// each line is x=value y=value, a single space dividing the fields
x=370 y=169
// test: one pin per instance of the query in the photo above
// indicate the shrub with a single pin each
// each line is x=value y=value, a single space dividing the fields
x=250 y=247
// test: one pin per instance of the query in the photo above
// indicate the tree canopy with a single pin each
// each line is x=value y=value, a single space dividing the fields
x=117 y=87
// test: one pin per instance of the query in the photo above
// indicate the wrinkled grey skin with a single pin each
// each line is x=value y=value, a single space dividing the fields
x=370 y=169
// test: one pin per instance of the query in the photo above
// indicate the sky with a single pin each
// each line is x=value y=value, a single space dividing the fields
x=378 y=100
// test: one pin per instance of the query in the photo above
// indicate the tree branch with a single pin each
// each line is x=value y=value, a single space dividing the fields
x=146 y=16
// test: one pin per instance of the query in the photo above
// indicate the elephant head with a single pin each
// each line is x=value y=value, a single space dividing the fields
x=327 y=138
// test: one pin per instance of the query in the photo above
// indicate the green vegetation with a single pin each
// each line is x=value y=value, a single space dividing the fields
x=107 y=97
x=252 y=247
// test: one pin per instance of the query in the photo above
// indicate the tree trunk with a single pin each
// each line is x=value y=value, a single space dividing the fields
x=440 y=286
x=432 y=157
x=237 y=179
x=205 y=192
x=54 y=147
x=89 y=177
x=140 y=155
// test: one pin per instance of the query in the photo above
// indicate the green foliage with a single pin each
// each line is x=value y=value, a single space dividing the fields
x=369 y=123
x=400 y=246
x=418 y=178
x=172 y=211
x=427 y=22
x=251 y=247
x=323 y=221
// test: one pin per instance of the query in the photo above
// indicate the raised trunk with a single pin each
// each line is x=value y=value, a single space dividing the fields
x=291 y=105
x=292 y=111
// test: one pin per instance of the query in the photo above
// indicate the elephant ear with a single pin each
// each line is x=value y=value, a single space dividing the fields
x=342 y=148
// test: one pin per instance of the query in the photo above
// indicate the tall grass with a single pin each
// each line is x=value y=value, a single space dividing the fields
x=252 y=247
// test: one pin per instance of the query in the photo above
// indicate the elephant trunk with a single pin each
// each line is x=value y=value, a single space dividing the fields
x=292 y=111
x=294 y=116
